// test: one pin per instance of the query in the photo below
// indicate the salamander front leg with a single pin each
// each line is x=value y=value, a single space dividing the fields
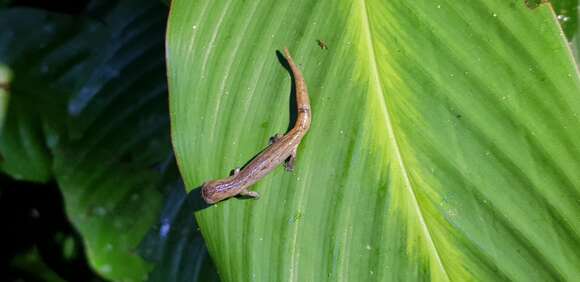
x=289 y=163
x=248 y=193
x=275 y=138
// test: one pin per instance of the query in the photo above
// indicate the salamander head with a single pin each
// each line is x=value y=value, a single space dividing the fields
x=216 y=190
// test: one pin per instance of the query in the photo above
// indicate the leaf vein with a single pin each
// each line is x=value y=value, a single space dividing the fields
x=376 y=82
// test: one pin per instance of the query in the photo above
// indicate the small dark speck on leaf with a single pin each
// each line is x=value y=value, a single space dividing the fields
x=322 y=44
x=458 y=116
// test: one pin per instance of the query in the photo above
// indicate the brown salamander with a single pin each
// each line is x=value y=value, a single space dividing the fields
x=282 y=148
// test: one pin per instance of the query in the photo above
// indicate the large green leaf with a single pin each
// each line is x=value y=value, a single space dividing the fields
x=443 y=144
x=89 y=109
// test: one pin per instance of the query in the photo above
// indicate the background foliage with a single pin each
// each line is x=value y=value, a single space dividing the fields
x=88 y=109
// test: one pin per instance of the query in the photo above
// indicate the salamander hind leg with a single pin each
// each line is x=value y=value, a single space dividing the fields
x=275 y=138
x=250 y=194
x=289 y=163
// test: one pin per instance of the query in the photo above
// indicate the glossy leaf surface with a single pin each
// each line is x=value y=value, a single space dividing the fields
x=443 y=144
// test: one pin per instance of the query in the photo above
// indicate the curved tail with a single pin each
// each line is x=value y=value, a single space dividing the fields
x=302 y=101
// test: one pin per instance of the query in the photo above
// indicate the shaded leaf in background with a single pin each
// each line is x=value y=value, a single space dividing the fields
x=36 y=223
x=5 y=80
x=443 y=143
x=45 y=63
x=175 y=244
x=89 y=108
x=35 y=268
x=116 y=143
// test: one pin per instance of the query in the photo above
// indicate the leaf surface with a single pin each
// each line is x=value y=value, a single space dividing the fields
x=443 y=142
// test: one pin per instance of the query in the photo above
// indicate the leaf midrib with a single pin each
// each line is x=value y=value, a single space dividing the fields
x=376 y=82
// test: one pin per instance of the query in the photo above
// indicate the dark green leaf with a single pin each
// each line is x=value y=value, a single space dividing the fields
x=91 y=97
